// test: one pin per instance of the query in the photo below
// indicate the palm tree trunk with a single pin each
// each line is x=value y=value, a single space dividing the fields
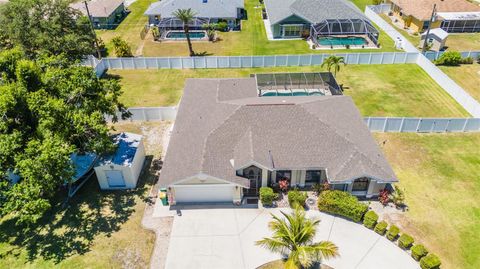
x=187 y=34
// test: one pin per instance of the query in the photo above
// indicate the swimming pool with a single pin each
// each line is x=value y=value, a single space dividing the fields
x=181 y=35
x=342 y=41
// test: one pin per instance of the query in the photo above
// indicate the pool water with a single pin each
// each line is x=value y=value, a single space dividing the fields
x=291 y=94
x=342 y=41
x=181 y=35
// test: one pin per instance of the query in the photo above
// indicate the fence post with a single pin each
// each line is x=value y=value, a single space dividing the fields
x=181 y=62
x=275 y=61
x=370 y=58
x=134 y=63
x=405 y=58
x=169 y=63
x=401 y=125
x=385 y=124
x=205 y=61
x=263 y=61
x=418 y=125
x=311 y=57
x=448 y=125
x=393 y=58
x=121 y=63
x=465 y=125
x=381 y=59
x=251 y=61
x=144 y=115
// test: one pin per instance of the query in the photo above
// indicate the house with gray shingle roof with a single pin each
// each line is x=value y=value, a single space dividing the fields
x=105 y=14
x=207 y=11
x=325 y=22
x=228 y=141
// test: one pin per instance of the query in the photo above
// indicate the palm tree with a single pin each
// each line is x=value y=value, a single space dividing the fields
x=186 y=16
x=293 y=237
x=334 y=62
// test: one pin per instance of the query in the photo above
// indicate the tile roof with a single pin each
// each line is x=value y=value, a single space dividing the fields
x=208 y=9
x=314 y=11
x=98 y=8
x=422 y=9
x=223 y=125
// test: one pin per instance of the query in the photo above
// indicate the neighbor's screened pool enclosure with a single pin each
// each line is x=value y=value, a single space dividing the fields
x=344 y=27
x=167 y=24
x=297 y=84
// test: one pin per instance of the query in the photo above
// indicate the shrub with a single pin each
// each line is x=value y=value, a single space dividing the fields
x=467 y=60
x=319 y=187
x=384 y=197
x=405 y=241
x=431 y=261
x=418 y=252
x=450 y=58
x=222 y=26
x=341 y=203
x=267 y=196
x=296 y=197
x=381 y=228
x=370 y=219
x=121 y=47
x=393 y=233
x=397 y=196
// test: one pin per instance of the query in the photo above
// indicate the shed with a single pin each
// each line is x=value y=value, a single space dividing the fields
x=437 y=38
x=122 y=169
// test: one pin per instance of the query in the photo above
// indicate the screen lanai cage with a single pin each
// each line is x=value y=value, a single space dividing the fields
x=344 y=27
x=173 y=23
x=297 y=84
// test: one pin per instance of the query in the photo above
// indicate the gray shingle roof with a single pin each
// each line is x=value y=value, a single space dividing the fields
x=98 y=8
x=314 y=11
x=210 y=9
x=216 y=124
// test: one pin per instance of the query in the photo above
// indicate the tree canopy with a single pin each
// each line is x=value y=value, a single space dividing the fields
x=45 y=27
x=49 y=108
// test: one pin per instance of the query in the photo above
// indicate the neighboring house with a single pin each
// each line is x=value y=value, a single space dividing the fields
x=318 y=19
x=206 y=11
x=228 y=141
x=453 y=16
x=436 y=39
x=122 y=169
x=105 y=14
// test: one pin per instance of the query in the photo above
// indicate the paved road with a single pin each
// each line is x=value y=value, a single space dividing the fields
x=224 y=238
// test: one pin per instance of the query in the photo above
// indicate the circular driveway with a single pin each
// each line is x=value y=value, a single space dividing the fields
x=225 y=238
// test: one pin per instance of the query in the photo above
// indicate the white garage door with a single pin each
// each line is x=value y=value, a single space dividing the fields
x=204 y=193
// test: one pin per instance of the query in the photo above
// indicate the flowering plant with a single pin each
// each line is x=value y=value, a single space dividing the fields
x=283 y=184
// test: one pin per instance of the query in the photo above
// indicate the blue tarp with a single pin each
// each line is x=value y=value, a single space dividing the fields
x=127 y=144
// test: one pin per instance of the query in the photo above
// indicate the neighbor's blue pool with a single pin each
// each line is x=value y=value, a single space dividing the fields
x=291 y=94
x=181 y=35
x=342 y=41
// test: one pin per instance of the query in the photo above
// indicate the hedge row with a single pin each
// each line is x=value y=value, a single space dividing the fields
x=343 y=204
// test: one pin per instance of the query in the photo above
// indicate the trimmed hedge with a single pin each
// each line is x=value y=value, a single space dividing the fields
x=381 y=227
x=341 y=203
x=297 y=197
x=431 y=261
x=370 y=219
x=405 y=241
x=418 y=252
x=393 y=233
x=267 y=196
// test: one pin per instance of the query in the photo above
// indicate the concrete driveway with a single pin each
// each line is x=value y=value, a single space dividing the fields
x=224 y=238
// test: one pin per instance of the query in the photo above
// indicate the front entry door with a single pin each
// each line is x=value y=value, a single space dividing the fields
x=254 y=174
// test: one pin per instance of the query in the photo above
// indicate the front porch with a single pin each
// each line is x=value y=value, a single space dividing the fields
x=304 y=180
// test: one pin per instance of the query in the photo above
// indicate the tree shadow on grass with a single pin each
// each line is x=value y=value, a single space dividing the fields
x=69 y=229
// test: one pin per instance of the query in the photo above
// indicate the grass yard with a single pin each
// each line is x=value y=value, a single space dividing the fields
x=378 y=90
x=98 y=229
x=455 y=42
x=441 y=179
x=467 y=76
x=252 y=40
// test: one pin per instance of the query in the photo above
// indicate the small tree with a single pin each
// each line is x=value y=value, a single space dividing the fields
x=334 y=62
x=121 y=47
x=293 y=236
x=186 y=16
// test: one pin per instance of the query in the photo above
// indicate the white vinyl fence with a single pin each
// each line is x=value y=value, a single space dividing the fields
x=422 y=125
x=433 y=55
x=375 y=124
x=253 y=61
x=168 y=113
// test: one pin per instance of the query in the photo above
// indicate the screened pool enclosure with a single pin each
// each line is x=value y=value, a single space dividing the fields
x=343 y=27
x=167 y=24
x=297 y=84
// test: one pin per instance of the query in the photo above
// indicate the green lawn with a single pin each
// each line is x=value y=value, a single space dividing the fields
x=252 y=40
x=378 y=90
x=98 y=229
x=467 y=76
x=440 y=175
x=455 y=42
